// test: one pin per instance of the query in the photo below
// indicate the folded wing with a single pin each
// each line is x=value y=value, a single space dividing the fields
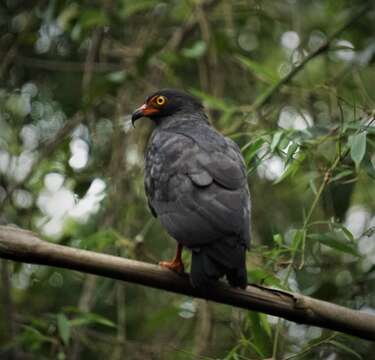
x=197 y=187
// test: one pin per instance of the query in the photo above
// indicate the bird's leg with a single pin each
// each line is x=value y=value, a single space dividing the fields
x=176 y=264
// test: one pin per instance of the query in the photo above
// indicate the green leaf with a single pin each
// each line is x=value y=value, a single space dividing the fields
x=334 y=241
x=251 y=149
x=265 y=324
x=260 y=70
x=291 y=169
x=33 y=335
x=291 y=151
x=133 y=7
x=196 y=51
x=345 y=348
x=260 y=275
x=297 y=238
x=260 y=334
x=63 y=327
x=91 y=318
x=369 y=164
x=313 y=187
x=357 y=145
x=369 y=232
x=342 y=174
x=213 y=102
x=345 y=230
x=276 y=140
x=278 y=239
x=67 y=15
x=93 y=17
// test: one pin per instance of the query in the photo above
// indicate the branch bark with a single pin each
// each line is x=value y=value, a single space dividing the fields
x=24 y=246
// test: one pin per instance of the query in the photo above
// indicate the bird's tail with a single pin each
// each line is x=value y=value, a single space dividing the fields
x=211 y=262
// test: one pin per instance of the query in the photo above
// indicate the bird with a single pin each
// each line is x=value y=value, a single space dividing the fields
x=196 y=185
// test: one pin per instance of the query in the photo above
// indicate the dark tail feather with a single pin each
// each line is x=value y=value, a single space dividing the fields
x=213 y=261
x=204 y=271
x=238 y=277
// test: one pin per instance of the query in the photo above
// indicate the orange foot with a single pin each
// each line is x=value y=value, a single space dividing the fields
x=176 y=266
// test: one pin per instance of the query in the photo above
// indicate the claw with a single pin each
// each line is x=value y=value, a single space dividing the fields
x=176 y=266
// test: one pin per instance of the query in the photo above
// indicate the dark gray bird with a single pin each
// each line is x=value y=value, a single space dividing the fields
x=195 y=182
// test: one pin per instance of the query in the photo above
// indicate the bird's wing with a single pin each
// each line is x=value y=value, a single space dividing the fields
x=197 y=186
x=217 y=155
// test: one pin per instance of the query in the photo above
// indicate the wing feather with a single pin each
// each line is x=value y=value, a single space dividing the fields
x=197 y=186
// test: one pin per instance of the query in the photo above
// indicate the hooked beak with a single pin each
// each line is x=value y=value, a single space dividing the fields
x=138 y=113
x=144 y=110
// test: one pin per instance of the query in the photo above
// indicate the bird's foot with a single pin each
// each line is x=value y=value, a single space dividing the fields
x=177 y=266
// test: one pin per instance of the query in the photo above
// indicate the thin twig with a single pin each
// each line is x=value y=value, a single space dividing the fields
x=179 y=37
x=266 y=97
x=92 y=54
x=66 y=66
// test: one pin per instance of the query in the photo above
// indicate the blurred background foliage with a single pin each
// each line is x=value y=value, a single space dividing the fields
x=291 y=81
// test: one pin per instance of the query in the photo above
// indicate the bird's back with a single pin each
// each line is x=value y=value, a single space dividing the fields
x=195 y=182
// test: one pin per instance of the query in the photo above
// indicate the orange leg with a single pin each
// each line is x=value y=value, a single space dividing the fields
x=176 y=264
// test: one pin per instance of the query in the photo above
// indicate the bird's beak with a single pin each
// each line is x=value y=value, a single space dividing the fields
x=144 y=110
x=138 y=113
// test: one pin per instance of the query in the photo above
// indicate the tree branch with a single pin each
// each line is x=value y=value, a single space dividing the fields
x=65 y=66
x=266 y=97
x=182 y=34
x=24 y=246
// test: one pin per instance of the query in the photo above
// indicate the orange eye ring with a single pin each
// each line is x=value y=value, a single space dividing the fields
x=160 y=100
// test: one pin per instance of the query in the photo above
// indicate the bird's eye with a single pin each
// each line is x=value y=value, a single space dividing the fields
x=160 y=100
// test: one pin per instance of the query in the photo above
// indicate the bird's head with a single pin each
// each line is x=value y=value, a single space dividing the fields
x=167 y=102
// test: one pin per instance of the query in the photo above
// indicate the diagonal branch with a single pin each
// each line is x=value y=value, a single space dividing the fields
x=24 y=246
x=268 y=94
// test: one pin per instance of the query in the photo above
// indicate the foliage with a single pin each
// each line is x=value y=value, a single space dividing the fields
x=296 y=98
